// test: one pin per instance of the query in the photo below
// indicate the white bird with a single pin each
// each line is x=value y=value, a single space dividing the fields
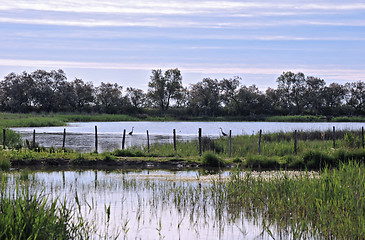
x=131 y=132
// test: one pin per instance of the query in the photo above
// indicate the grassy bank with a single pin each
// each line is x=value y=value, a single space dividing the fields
x=277 y=151
x=329 y=207
x=59 y=119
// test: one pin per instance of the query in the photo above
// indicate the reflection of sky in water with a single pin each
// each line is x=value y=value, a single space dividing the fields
x=80 y=136
x=144 y=203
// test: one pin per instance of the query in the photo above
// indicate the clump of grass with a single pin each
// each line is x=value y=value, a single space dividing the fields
x=108 y=157
x=259 y=161
x=209 y=159
x=330 y=206
x=32 y=216
x=4 y=163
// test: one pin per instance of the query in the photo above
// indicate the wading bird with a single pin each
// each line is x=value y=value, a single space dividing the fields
x=131 y=132
x=223 y=133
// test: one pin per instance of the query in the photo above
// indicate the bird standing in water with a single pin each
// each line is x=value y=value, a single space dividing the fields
x=223 y=133
x=131 y=132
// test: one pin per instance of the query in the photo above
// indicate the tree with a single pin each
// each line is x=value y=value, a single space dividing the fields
x=16 y=93
x=291 y=88
x=204 y=97
x=313 y=95
x=228 y=88
x=333 y=97
x=136 y=97
x=356 y=96
x=164 y=88
x=250 y=101
x=84 y=94
x=109 y=97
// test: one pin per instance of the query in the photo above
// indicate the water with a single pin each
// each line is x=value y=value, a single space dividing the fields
x=150 y=204
x=80 y=136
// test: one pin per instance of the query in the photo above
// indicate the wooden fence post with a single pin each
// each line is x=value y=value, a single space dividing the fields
x=362 y=137
x=174 y=137
x=148 y=142
x=334 y=137
x=64 y=138
x=200 y=141
x=33 y=139
x=295 y=142
x=230 y=143
x=96 y=139
x=4 y=138
x=260 y=141
x=123 y=141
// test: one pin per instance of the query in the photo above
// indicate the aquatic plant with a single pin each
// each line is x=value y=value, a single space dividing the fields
x=209 y=159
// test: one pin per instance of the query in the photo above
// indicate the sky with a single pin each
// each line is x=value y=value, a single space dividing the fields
x=123 y=41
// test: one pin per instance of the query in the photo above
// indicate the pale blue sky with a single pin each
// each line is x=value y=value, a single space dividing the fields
x=122 y=41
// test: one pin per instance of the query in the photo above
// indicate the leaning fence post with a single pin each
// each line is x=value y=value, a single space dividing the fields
x=123 y=141
x=64 y=138
x=230 y=143
x=96 y=139
x=200 y=141
x=362 y=137
x=334 y=137
x=4 y=138
x=174 y=133
x=33 y=139
x=260 y=141
x=295 y=142
x=148 y=142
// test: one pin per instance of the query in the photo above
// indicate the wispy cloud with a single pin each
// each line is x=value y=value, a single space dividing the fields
x=327 y=72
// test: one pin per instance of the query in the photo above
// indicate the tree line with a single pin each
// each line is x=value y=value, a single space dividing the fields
x=296 y=94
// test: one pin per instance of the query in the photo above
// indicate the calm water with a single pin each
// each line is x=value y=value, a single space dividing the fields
x=80 y=136
x=150 y=204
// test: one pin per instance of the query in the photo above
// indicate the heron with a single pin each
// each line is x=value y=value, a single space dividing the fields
x=131 y=132
x=223 y=133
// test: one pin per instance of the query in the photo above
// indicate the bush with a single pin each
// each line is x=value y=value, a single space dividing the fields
x=255 y=161
x=209 y=159
x=4 y=163
x=317 y=159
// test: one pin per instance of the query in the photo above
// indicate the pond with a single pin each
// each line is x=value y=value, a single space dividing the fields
x=80 y=136
x=150 y=204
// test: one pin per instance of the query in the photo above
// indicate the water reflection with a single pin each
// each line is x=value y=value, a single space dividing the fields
x=152 y=204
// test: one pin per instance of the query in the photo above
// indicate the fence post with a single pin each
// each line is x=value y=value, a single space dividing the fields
x=96 y=139
x=362 y=137
x=148 y=142
x=64 y=138
x=4 y=138
x=174 y=133
x=200 y=141
x=33 y=139
x=260 y=141
x=230 y=143
x=295 y=142
x=123 y=141
x=334 y=137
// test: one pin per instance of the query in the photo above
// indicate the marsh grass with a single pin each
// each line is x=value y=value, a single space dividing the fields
x=331 y=206
x=31 y=215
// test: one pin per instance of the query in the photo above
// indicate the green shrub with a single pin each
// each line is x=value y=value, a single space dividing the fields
x=108 y=157
x=209 y=159
x=255 y=161
x=318 y=159
x=4 y=163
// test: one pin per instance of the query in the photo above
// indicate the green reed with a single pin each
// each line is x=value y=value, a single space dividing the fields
x=31 y=215
x=331 y=206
